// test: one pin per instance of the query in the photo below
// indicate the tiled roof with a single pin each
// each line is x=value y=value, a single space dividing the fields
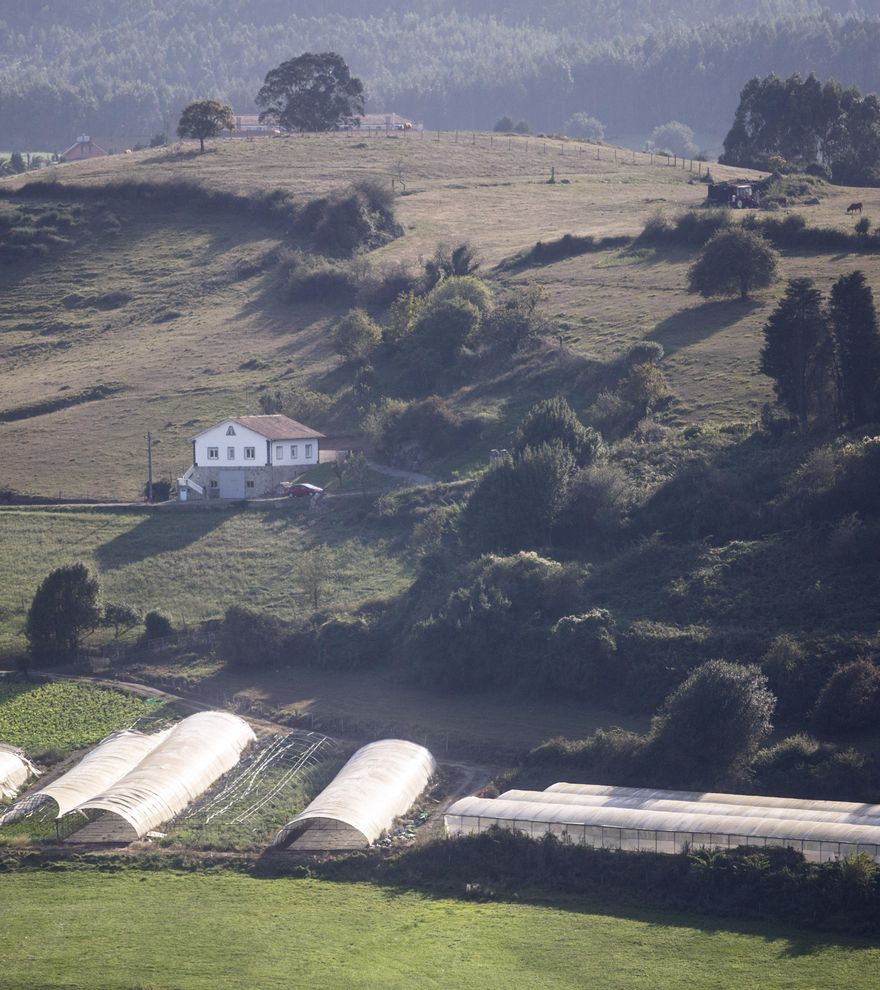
x=278 y=427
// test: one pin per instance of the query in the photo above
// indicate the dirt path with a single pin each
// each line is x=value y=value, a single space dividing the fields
x=392 y=472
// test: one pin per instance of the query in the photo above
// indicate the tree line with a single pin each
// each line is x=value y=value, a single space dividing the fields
x=631 y=67
x=803 y=122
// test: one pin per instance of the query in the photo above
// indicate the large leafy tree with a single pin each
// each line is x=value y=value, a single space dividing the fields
x=854 y=326
x=64 y=608
x=313 y=92
x=734 y=260
x=205 y=119
x=796 y=353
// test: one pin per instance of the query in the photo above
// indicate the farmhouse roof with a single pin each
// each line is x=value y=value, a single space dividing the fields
x=278 y=427
x=275 y=427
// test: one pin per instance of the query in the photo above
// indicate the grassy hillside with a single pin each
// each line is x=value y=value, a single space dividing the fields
x=177 y=313
x=382 y=940
x=192 y=565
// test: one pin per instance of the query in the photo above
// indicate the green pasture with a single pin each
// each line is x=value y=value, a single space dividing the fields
x=194 y=932
x=193 y=564
x=62 y=716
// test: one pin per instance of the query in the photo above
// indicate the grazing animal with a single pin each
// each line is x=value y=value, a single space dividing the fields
x=854 y=208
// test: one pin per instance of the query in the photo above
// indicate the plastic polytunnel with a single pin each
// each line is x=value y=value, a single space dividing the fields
x=379 y=783
x=132 y=782
x=639 y=821
x=192 y=755
x=14 y=771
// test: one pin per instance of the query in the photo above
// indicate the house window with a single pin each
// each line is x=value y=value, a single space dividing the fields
x=250 y=453
x=230 y=431
x=213 y=453
x=214 y=483
x=294 y=451
x=230 y=453
x=279 y=452
x=308 y=450
x=249 y=484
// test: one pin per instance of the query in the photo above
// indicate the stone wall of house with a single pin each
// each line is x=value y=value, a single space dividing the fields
x=266 y=479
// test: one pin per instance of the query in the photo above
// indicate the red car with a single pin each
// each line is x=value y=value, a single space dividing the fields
x=304 y=488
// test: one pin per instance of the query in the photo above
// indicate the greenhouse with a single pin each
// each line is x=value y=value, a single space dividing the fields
x=192 y=755
x=14 y=772
x=132 y=782
x=379 y=783
x=638 y=820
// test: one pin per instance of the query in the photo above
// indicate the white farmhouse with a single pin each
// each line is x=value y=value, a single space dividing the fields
x=248 y=456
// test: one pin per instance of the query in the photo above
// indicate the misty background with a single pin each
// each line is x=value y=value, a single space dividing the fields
x=126 y=68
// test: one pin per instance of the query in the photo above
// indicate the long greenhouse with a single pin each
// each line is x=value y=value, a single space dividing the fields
x=673 y=821
x=379 y=783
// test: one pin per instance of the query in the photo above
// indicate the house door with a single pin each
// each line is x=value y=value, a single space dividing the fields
x=232 y=484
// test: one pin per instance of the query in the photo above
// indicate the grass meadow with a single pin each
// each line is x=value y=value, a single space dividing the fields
x=193 y=564
x=199 y=327
x=172 y=931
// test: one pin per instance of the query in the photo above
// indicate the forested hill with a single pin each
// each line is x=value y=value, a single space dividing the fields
x=127 y=67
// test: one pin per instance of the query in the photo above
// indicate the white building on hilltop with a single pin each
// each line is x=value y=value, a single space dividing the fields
x=248 y=456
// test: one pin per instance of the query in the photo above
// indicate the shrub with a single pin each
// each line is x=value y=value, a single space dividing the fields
x=249 y=638
x=711 y=726
x=642 y=389
x=157 y=625
x=644 y=352
x=516 y=319
x=355 y=335
x=444 y=328
x=503 y=125
x=598 y=499
x=793 y=676
x=850 y=700
x=466 y=288
x=406 y=433
x=554 y=421
x=360 y=217
x=344 y=643
x=581 y=655
x=516 y=502
x=448 y=262
x=161 y=489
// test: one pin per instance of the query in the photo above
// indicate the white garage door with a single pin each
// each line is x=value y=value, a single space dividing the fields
x=232 y=484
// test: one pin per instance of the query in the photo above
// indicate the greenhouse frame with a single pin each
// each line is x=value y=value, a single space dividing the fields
x=379 y=783
x=638 y=820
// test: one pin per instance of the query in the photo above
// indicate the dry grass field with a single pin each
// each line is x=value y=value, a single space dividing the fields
x=196 y=340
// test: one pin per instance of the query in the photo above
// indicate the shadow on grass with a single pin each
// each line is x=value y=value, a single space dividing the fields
x=403 y=877
x=157 y=533
x=691 y=326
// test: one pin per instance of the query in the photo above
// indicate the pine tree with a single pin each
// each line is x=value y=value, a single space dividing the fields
x=795 y=353
x=857 y=347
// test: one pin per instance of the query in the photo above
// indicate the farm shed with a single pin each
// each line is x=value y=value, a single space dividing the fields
x=639 y=826
x=14 y=771
x=378 y=783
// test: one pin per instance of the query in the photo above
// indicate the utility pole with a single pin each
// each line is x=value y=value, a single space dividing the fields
x=149 y=467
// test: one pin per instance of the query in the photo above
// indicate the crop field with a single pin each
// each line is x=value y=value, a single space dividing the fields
x=192 y=565
x=62 y=716
x=93 y=931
